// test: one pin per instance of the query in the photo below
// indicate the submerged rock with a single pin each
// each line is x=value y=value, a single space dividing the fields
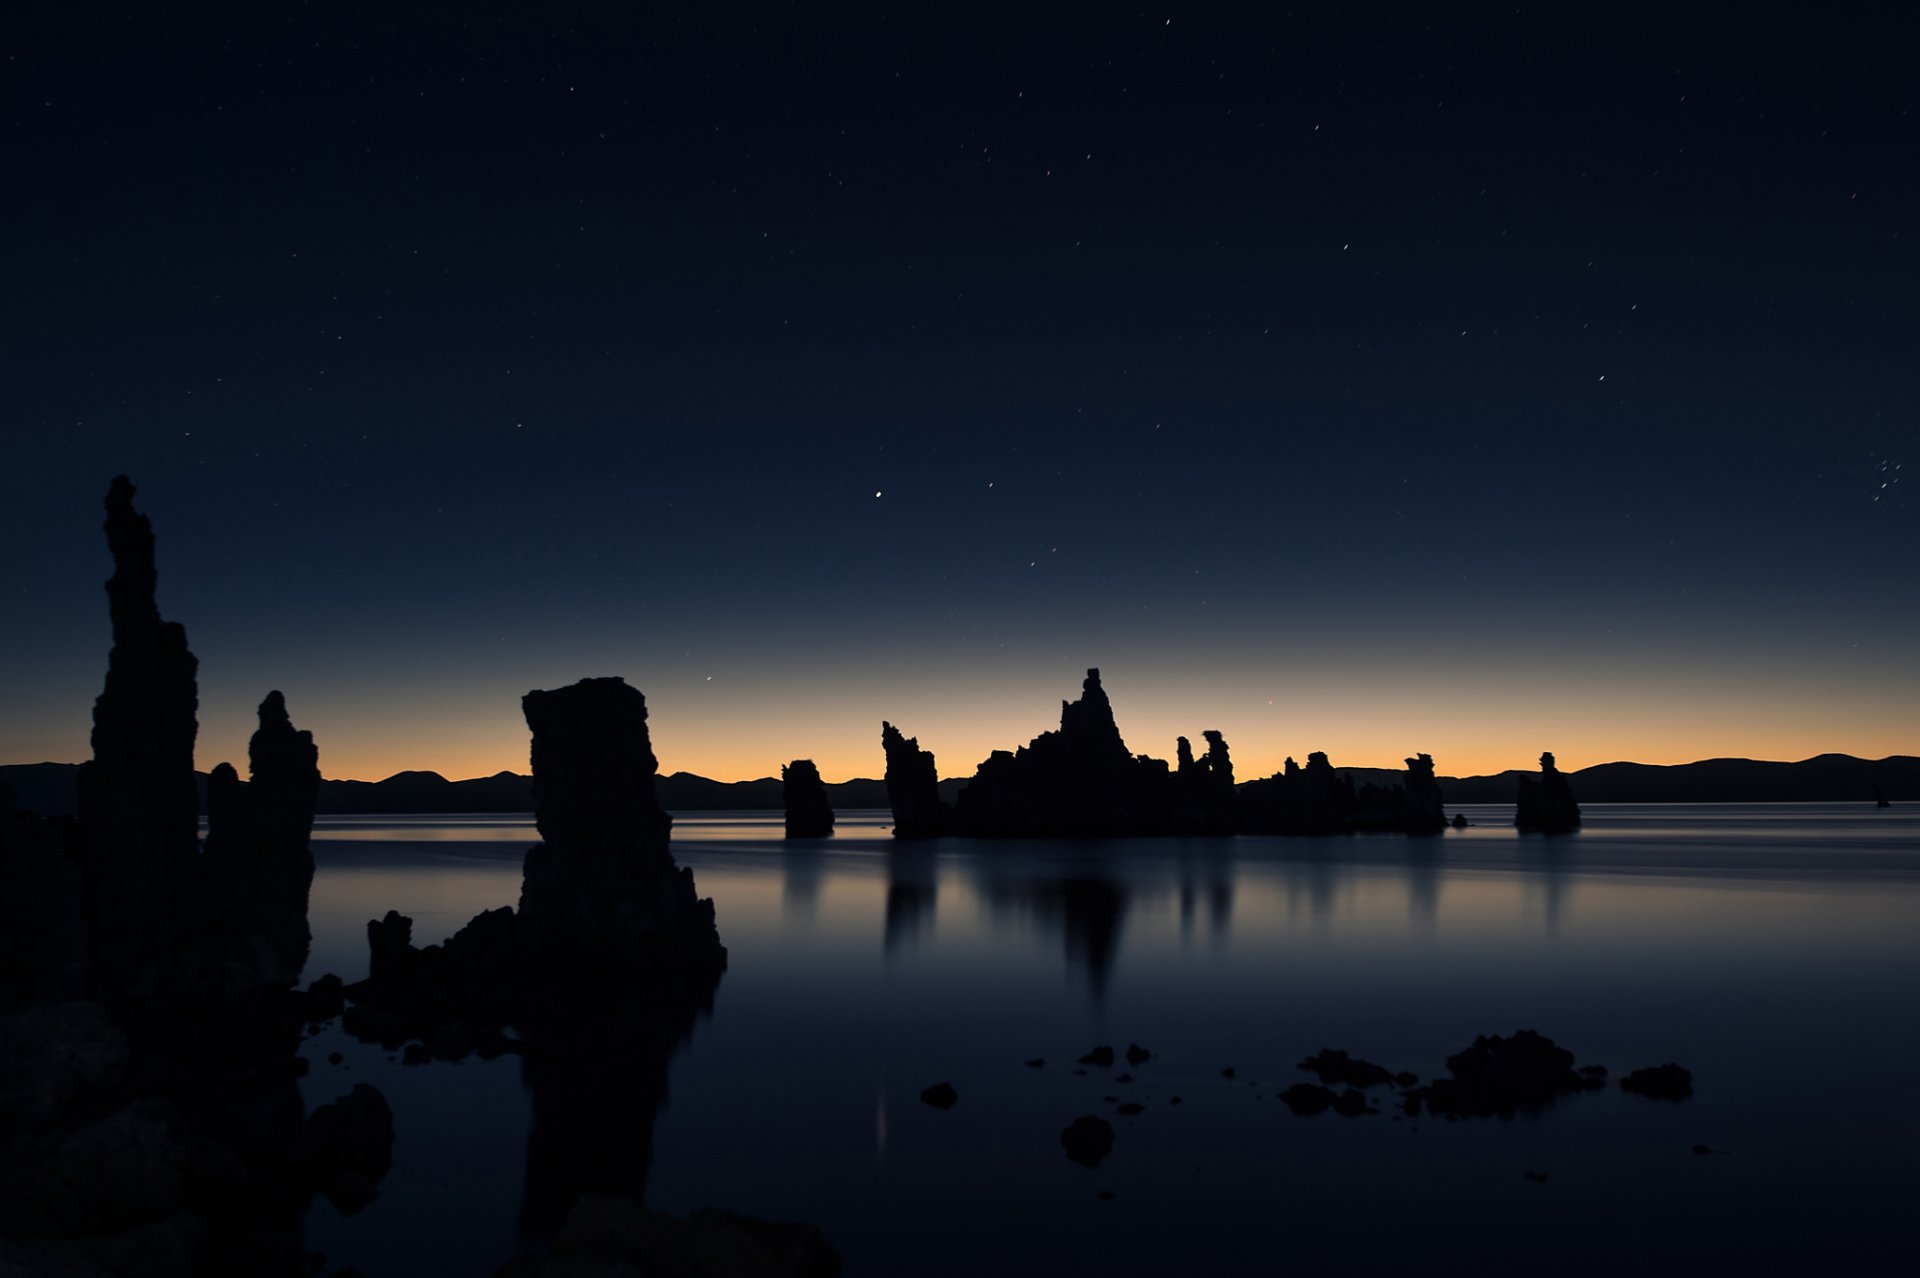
x=1337 y=1067
x=1087 y=1139
x=1660 y=1082
x=1502 y=1075
x=941 y=1096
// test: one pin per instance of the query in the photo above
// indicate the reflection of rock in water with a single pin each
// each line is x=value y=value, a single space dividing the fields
x=157 y=1129
x=912 y=895
x=1089 y=912
x=1204 y=867
x=1423 y=881
x=801 y=870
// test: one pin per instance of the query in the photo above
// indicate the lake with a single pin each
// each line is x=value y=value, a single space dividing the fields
x=1774 y=950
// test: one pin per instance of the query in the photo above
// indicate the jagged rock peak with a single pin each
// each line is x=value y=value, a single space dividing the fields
x=913 y=787
x=1087 y=727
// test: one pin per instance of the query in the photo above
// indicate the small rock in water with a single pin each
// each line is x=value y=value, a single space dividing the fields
x=1101 y=1056
x=1538 y=1178
x=940 y=1096
x=1038 y=1062
x=1227 y=1072
x=1337 y=1067
x=1138 y=1055
x=334 y=1058
x=1307 y=1098
x=1123 y=1078
x=1174 y=1101
x=1350 y=1103
x=1087 y=1140
x=1702 y=1149
x=1661 y=1082
x=1131 y=1107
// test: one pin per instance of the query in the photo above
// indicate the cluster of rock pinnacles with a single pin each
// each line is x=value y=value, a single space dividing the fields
x=150 y=1020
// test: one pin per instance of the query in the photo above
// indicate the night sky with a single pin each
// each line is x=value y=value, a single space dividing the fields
x=1525 y=378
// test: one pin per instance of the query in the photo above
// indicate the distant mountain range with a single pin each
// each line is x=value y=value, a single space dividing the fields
x=1827 y=778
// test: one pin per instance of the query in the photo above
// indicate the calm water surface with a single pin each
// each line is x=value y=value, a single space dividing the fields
x=1774 y=950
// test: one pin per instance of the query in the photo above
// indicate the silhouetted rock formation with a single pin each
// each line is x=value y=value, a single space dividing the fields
x=157 y=1129
x=139 y=812
x=913 y=788
x=602 y=972
x=1318 y=799
x=1545 y=803
x=603 y=891
x=257 y=867
x=809 y=815
x=1081 y=782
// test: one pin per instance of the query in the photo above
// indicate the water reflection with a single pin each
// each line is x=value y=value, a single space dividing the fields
x=913 y=893
x=1087 y=911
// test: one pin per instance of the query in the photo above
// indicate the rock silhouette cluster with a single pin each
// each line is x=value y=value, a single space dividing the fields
x=148 y=1022
x=809 y=814
x=1081 y=782
x=1545 y=804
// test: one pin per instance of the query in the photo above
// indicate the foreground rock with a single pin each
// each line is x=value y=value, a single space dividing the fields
x=148 y=1030
x=809 y=814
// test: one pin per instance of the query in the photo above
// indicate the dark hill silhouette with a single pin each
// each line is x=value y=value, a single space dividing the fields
x=47 y=788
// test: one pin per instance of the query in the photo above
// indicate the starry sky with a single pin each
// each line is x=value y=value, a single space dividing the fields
x=1370 y=379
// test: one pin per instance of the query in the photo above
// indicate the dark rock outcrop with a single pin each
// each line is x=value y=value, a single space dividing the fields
x=941 y=1096
x=809 y=814
x=1337 y=1067
x=1545 y=804
x=913 y=788
x=602 y=891
x=595 y=981
x=1501 y=1076
x=1660 y=1082
x=1080 y=781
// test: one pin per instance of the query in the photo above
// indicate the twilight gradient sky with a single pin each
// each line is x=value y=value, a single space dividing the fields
x=1367 y=383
